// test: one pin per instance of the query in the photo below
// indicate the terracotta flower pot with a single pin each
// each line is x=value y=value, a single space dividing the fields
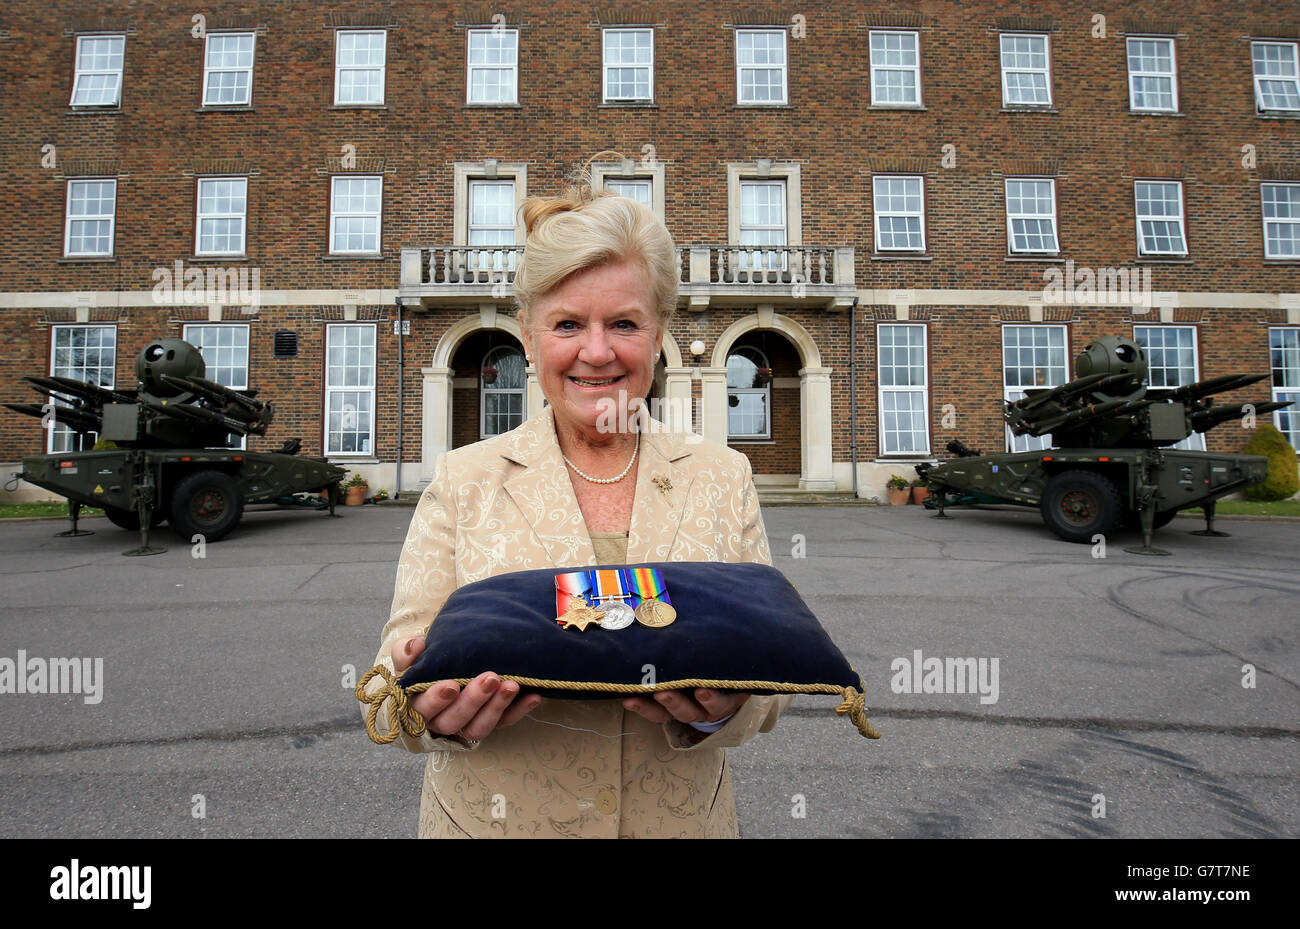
x=920 y=493
x=898 y=496
x=356 y=495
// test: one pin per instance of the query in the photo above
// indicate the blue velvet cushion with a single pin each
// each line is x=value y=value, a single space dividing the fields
x=739 y=627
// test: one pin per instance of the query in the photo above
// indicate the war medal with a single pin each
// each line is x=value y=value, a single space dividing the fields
x=654 y=609
x=610 y=595
x=571 y=607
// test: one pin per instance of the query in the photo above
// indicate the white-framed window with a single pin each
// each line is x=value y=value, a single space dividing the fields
x=356 y=208
x=502 y=387
x=1152 y=75
x=898 y=205
x=628 y=65
x=1159 y=206
x=492 y=223
x=1284 y=360
x=640 y=189
x=83 y=353
x=222 y=216
x=228 y=68
x=904 y=402
x=224 y=347
x=97 y=80
x=1026 y=69
x=1172 y=362
x=359 y=64
x=493 y=63
x=91 y=217
x=1031 y=216
x=1280 y=205
x=763 y=223
x=895 y=68
x=1032 y=357
x=1277 y=76
x=749 y=394
x=349 y=388
x=760 y=66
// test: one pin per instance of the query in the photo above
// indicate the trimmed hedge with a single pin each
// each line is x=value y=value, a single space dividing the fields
x=1283 y=474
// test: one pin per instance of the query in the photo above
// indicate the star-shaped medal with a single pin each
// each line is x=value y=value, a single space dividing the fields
x=581 y=616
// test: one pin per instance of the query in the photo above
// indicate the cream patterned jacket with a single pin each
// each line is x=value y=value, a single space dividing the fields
x=574 y=768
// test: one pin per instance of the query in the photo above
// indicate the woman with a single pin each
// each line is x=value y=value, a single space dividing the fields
x=596 y=288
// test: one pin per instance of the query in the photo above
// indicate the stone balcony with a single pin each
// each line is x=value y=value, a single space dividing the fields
x=813 y=276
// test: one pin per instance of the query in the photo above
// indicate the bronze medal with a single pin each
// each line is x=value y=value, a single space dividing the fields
x=655 y=613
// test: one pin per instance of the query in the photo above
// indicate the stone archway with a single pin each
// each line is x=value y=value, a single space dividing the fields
x=815 y=468
x=436 y=419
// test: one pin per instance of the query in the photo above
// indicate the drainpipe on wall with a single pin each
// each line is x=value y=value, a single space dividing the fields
x=401 y=376
x=853 y=392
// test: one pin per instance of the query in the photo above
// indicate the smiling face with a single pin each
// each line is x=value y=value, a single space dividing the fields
x=593 y=339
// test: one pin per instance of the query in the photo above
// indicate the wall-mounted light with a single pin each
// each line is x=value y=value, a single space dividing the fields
x=697 y=348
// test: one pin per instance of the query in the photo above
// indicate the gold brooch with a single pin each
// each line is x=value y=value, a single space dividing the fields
x=662 y=483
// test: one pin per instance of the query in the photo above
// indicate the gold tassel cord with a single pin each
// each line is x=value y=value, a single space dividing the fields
x=855 y=705
x=402 y=714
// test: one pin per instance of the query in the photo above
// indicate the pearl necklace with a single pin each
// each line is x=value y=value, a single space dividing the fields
x=606 y=480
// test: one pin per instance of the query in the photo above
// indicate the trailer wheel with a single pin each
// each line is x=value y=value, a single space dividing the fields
x=1079 y=504
x=206 y=503
x=130 y=519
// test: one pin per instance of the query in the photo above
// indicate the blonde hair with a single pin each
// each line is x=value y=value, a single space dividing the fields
x=580 y=229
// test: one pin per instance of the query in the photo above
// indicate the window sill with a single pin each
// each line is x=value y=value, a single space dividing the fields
x=762 y=106
x=233 y=108
x=358 y=106
x=751 y=441
x=73 y=108
x=1030 y=109
x=1157 y=260
x=1156 y=113
x=86 y=259
x=366 y=257
x=900 y=256
x=219 y=258
x=493 y=106
x=352 y=458
x=1053 y=259
x=628 y=104
x=905 y=459
x=1282 y=261
x=1280 y=114
x=897 y=106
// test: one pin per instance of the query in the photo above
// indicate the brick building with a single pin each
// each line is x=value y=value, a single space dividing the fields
x=890 y=218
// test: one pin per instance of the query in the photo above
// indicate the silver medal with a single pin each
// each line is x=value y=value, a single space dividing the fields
x=618 y=615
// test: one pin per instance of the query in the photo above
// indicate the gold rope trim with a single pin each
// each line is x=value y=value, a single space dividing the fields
x=400 y=712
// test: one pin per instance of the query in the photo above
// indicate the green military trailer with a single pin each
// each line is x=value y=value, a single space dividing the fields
x=1111 y=467
x=169 y=463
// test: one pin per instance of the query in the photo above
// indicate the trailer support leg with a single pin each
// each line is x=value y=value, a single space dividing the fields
x=144 y=510
x=1147 y=514
x=942 y=497
x=74 y=512
x=1209 y=524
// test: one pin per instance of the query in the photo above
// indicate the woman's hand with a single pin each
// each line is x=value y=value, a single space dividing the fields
x=484 y=704
x=701 y=706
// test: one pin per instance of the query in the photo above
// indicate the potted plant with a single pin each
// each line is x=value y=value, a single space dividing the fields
x=920 y=490
x=897 y=489
x=489 y=374
x=380 y=495
x=356 y=489
x=762 y=377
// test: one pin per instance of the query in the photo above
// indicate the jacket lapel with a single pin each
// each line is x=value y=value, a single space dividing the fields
x=543 y=492
x=662 y=483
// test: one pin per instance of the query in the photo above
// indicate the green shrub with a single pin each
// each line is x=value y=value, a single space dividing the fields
x=1283 y=475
